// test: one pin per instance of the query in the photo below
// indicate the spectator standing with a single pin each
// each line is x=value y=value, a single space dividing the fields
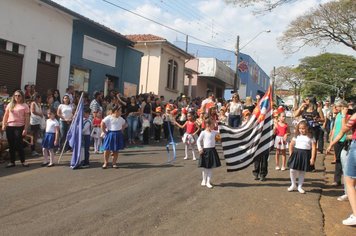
x=3 y=96
x=340 y=121
x=146 y=111
x=35 y=121
x=65 y=113
x=95 y=104
x=15 y=122
x=133 y=113
x=234 y=108
x=249 y=104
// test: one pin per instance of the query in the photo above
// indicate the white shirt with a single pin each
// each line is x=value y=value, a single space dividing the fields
x=114 y=124
x=86 y=126
x=35 y=119
x=208 y=139
x=235 y=108
x=51 y=125
x=303 y=142
x=67 y=111
x=326 y=112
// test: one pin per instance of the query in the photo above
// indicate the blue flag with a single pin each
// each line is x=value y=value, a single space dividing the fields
x=74 y=135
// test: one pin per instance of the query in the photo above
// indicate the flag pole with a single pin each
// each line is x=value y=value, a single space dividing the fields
x=75 y=113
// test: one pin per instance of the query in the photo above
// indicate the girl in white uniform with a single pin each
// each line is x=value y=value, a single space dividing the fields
x=51 y=138
x=112 y=126
x=209 y=157
x=303 y=154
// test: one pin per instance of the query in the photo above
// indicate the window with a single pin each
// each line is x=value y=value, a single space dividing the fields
x=53 y=58
x=172 y=74
x=15 y=47
x=2 y=44
x=43 y=56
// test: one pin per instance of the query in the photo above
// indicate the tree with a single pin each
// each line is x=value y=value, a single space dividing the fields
x=332 y=22
x=262 y=5
x=287 y=78
x=328 y=75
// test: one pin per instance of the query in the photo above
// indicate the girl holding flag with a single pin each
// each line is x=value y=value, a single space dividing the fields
x=112 y=126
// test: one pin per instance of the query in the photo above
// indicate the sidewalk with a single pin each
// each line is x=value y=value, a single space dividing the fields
x=334 y=211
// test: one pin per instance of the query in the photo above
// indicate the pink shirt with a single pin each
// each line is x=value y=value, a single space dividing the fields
x=17 y=116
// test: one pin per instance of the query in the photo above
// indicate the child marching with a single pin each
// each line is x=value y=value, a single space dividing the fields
x=50 y=139
x=281 y=130
x=209 y=157
x=191 y=129
x=112 y=126
x=86 y=137
x=303 y=154
x=96 y=131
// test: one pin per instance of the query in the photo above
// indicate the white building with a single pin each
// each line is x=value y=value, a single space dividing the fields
x=35 y=45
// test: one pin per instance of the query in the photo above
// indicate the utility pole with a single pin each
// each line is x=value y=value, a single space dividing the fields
x=236 y=80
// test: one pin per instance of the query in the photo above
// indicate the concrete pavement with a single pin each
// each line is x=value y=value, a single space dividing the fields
x=147 y=196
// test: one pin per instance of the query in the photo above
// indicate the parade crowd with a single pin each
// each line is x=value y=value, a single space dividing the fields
x=112 y=122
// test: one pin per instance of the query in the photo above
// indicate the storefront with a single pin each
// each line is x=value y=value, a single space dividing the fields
x=103 y=60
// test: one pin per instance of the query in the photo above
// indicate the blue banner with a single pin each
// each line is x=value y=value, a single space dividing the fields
x=74 y=135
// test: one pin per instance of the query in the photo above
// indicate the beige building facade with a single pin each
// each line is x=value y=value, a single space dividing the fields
x=162 y=66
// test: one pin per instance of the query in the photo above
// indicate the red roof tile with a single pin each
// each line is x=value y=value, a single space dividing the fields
x=144 y=37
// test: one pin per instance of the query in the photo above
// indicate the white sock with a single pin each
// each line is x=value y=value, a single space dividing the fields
x=301 y=179
x=193 y=153
x=293 y=177
x=208 y=178
x=45 y=155
x=96 y=146
x=51 y=156
x=186 y=150
x=203 y=173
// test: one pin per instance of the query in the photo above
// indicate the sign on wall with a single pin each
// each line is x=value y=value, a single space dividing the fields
x=130 y=89
x=99 y=51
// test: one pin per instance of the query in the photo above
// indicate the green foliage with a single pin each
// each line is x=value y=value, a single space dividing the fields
x=328 y=75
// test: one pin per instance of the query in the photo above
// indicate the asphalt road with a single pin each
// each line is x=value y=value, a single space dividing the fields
x=147 y=196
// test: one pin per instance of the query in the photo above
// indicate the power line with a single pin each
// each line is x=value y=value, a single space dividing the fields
x=156 y=22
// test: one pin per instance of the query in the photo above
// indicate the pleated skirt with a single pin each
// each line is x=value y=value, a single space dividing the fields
x=300 y=160
x=209 y=158
x=113 y=141
x=48 y=140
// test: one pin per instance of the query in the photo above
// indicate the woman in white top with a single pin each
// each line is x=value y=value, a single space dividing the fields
x=112 y=126
x=65 y=113
x=35 y=121
x=234 y=108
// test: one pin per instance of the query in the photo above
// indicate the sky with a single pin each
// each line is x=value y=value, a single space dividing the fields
x=214 y=22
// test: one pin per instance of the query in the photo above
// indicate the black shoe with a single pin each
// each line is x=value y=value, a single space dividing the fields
x=44 y=164
x=257 y=178
x=10 y=165
x=263 y=179
x=50 y=165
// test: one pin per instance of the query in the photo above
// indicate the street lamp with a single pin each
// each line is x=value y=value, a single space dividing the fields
x=264 y=31
x=237 y=55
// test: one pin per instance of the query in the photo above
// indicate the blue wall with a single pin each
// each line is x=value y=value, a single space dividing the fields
x=128 y=60
x=256 y=79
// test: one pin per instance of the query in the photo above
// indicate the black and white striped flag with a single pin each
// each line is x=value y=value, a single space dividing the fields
x=243 y=144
